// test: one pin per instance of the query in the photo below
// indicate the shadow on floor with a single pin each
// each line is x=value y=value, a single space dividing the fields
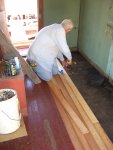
x=95 y=89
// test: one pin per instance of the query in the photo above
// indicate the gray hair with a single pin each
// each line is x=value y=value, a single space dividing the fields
x=67 y=23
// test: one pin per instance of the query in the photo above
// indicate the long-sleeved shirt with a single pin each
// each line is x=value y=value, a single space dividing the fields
x=49 y=44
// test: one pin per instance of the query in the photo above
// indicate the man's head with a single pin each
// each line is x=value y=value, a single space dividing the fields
x=67 y=25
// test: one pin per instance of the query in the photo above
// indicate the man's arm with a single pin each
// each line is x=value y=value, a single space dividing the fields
x=62 y=44
x=60 y=56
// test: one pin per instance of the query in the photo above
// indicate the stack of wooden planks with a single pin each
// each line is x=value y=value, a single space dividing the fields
x=82 y=126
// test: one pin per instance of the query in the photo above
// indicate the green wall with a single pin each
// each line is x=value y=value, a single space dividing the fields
x=57 y=10
x=93 y=40
x=92 y=17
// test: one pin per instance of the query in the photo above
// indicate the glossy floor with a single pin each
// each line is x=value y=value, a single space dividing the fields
x=44 y=125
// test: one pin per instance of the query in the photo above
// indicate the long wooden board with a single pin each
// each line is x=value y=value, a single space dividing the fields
x=68 y=108
x=73 y=108
x=89 y=124
x=73 y=136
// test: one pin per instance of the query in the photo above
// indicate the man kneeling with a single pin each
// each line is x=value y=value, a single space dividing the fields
x=50 y=44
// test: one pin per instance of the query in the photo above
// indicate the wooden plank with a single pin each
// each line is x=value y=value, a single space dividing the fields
x=82 y=101
x=68 y=108
x=88 y=122
x=66 y=79
x=104 y=136
x=91 y=141
x=75 y=98
x=96 y=137
x=81 y=136
x=68 y=97
x=10 y=49
x=65 y=93
x=74 y=139
x=86 y=140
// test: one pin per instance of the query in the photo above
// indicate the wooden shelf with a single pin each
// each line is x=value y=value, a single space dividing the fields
x=18 y=75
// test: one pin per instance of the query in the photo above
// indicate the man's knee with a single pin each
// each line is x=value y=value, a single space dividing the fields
x=42 y=73
x=45 y=76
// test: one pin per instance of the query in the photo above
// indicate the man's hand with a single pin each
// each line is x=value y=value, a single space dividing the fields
x=66 y=63
x=69 y=62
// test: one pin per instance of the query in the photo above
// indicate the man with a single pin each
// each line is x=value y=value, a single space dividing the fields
x=50 y=44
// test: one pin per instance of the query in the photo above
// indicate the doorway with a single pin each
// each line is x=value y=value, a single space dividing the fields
x=22 y=22
x=22 y=19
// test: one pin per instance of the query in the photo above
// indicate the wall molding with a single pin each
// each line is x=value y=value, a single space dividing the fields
x=96 y=67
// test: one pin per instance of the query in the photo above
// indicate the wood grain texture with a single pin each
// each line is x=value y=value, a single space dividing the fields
x=104 y=136
x=68 y=108
x=72 y=134
x=69 y=83
x=69 y=98
x=89 y=124
x=67 y=91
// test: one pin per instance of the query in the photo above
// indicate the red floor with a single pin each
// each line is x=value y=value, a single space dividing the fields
x=45 y=127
